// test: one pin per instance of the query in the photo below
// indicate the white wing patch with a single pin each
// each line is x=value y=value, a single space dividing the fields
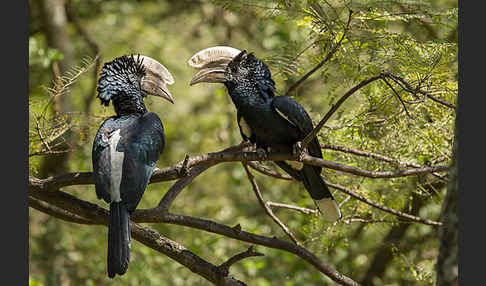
x=245 y=128
x=284 y=116
x=116 y=166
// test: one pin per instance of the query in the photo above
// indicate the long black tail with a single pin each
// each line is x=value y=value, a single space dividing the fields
x=118 y=239
x=319 y=191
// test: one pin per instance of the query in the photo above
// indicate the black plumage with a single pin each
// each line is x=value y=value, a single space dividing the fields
x=126 y=149
x=272 y=122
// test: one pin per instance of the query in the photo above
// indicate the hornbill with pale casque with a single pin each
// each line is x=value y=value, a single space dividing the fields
x=275 y=123
x=127 y=145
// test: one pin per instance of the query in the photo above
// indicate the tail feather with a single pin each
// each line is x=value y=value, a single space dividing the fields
x=118 y=239
x=319 y=191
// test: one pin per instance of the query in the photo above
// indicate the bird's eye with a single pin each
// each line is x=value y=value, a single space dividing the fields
x=232 y=67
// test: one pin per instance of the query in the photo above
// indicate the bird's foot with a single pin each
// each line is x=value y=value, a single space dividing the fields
x=298 y=151
x=184 y=170
x=262 y=154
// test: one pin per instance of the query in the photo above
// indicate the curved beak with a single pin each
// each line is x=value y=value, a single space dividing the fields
x=154 y=86
x=156 y=78
x=215 y=74
x=211 y=63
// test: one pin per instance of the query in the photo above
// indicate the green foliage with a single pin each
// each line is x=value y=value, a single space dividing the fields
x=416 y=40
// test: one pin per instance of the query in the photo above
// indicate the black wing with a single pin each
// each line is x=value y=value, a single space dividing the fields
x=101 y=160
x=296 y=115
x=142 y=146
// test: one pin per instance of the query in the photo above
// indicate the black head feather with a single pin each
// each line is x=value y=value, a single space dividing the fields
x=122 y=76
x=247 y=65
x=248 y=71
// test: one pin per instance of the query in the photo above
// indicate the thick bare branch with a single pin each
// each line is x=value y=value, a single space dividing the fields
x=99 y=216
x=206 y=161
x=57 y=212
x=182 y=255
x=142 y=234
x=47 y=191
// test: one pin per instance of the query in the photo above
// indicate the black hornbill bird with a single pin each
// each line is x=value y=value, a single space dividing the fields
x=127 y=145
x=271 y=122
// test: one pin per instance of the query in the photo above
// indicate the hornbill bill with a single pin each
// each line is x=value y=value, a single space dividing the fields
x=127 y=145
x=271 y=122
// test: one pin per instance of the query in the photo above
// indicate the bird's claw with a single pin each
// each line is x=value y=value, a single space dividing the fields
x=184 y=170
x=298 y=151
x=262 y=154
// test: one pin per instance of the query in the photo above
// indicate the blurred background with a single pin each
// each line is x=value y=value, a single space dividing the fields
x=69 y=40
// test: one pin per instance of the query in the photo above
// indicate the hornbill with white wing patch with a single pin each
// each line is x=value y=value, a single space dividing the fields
x=127 y=145
x=271 y=122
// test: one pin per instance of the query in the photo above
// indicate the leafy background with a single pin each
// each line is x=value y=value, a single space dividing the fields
x=414 y=39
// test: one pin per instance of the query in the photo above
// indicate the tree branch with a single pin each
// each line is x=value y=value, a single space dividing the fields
x=47 y=190
x=409 y=88
x=371 y=174
x=99 y=216
x=224 y=267
x=231 y=154
x=291 y=207
x=335 y=107
x=269 y=172
x=329 y=55
x=182 y=255
x=383 y=208
x=383 y=76
x=142 y=234
x=372 y=155
x=268 y=210
x=57 y=212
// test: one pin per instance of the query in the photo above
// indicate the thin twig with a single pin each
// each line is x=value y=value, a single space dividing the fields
x=383 y=208
x=383 y=76
x=412 y=90
x=335 y=107
x=329 y=55
x=268 y=210
x=291 y=207
x=380 y=157
x=269 y=172
x=370 y=155
x=348 y=220
x=224 y=267
x=398 y=95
